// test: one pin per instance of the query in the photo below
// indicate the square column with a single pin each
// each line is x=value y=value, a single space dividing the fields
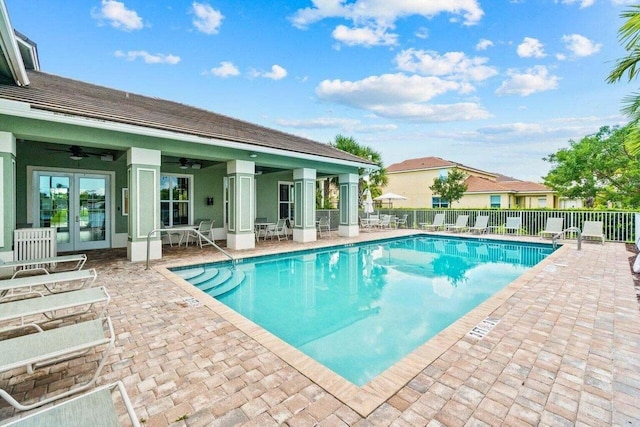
x=304 y=184
x=242 y=209
x=348 y=205
x=7 y=194
x=143 y=177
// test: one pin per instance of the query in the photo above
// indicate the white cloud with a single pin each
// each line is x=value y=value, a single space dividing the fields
x=536 y=79
x=580 y=45
x=509 y=128
x=148 y=58
x=422 y=33
x=277 y=73
x=452 y=64
x=530 y=48
x=484 y=44
x=207 y=20
x=118 y=15
x=226 y=69
x=401 y=96
x=583 y=3
x=364 y=36
x=379 y=16
x=346 y=125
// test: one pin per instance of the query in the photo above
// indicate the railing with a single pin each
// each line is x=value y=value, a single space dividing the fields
x=191 y=230
x=618 y=226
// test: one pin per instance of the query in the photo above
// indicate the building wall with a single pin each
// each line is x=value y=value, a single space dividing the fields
x=414 y=185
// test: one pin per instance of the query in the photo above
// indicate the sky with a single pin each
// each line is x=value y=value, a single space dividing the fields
x=495 y=85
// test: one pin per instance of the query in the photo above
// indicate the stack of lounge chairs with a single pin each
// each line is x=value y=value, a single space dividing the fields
x=49 y=315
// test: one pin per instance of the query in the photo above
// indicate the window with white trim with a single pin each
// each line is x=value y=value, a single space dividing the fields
x=438 y=202
x=175 y=199
x=285 y=200
x=495 y=201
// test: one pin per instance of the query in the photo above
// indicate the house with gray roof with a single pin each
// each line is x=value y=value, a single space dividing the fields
x=104 y=167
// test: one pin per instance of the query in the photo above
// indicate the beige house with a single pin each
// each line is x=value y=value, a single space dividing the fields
x=412 y=179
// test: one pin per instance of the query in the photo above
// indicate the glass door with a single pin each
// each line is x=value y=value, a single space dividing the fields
x=77 y=205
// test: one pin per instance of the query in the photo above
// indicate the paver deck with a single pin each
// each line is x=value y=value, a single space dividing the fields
x=566 y=351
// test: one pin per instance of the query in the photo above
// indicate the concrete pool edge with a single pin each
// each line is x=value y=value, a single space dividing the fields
x=367 y=398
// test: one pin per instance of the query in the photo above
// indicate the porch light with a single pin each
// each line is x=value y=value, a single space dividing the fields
x=106 y=157
x=196 y=166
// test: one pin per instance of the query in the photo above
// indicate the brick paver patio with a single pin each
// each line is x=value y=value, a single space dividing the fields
x=565 y=352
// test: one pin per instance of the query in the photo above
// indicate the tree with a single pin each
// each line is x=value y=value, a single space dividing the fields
x=378 y=178
x=452 y=187
x=629 y=35
x=597 y=168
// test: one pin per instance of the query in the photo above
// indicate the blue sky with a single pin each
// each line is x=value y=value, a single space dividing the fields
x=495 y=85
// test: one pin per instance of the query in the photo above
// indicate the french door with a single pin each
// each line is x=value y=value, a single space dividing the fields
x=77 y=205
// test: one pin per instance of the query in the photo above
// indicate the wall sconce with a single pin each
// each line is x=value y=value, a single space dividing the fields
x=209 y=201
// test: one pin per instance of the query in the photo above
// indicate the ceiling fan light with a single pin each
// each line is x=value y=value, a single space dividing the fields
x=184 y=166
x=75 y=157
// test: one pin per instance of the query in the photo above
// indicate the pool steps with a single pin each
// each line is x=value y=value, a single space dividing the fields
x=214 y=281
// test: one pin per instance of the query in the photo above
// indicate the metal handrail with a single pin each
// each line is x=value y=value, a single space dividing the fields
x=188 y=229
x=555 y=238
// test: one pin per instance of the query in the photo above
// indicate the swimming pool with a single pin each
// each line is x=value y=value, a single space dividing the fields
x=358 y=309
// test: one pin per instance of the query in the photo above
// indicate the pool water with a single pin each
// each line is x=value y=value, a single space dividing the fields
x=361 y=308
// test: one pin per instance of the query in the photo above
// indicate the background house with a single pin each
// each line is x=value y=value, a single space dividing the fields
x=412 y=178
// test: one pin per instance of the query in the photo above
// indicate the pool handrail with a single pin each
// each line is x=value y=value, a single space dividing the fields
x=192 y=229
x=555 y=238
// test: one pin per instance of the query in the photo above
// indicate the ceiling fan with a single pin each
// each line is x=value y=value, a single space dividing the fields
x=77 y=153
x=186 y=163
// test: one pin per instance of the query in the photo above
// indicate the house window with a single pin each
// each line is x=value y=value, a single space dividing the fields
x=285 y=200
x=495 y=201
x=542 y=202
x=175 y=199
x=437 y=202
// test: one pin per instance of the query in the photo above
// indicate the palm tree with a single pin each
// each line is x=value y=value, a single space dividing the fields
x=629 y=35
x=378 y=178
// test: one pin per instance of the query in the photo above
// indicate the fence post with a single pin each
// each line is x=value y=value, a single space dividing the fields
x=637 y=226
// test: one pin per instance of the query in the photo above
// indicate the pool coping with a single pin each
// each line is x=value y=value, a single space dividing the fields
x=364 y=400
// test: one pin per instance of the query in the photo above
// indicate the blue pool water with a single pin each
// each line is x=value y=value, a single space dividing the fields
x=361 y=308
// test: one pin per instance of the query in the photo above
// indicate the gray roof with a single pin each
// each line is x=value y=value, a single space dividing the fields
x=63 y=95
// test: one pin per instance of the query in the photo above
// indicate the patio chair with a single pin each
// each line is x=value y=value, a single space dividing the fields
x=324 y=224
x=55 y=306
x=205 y=227
x=460 y=225
x=260 y=231
x=23 y=285
x=437 y=224
x=278 y=230
x=513 y=225
x=481 y=225
x=402 y=222
x=593 y=230
x=94 y=408
x=46 y=265
x=553 y=227
x=52 y=346
x=385 y=222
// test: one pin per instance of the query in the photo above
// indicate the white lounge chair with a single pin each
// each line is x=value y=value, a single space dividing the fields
x=205 y=228
x=481 y=225
x=385 y=222
x=402 y=222
x=11 y=287
x=593 y=230
x=460 y=225
x=513 y=225
x=52 y=346
x=437 y=224
x=46 y=265
x=94 y=408
x=55 y=306
x=324 y=224
x=553 y=227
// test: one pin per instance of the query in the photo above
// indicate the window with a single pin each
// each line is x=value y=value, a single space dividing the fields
x=437 y=202
x=495 y=201
x=175 y=199
x=285 y=200
x=542 y=202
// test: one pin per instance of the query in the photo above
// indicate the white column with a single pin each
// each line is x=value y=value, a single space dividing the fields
x=143 y=176
x=304 y=184
x=348 y=205
x=240 y=234
x=7 y=194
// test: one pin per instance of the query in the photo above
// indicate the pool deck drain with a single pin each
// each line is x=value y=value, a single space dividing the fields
x=483 y=328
